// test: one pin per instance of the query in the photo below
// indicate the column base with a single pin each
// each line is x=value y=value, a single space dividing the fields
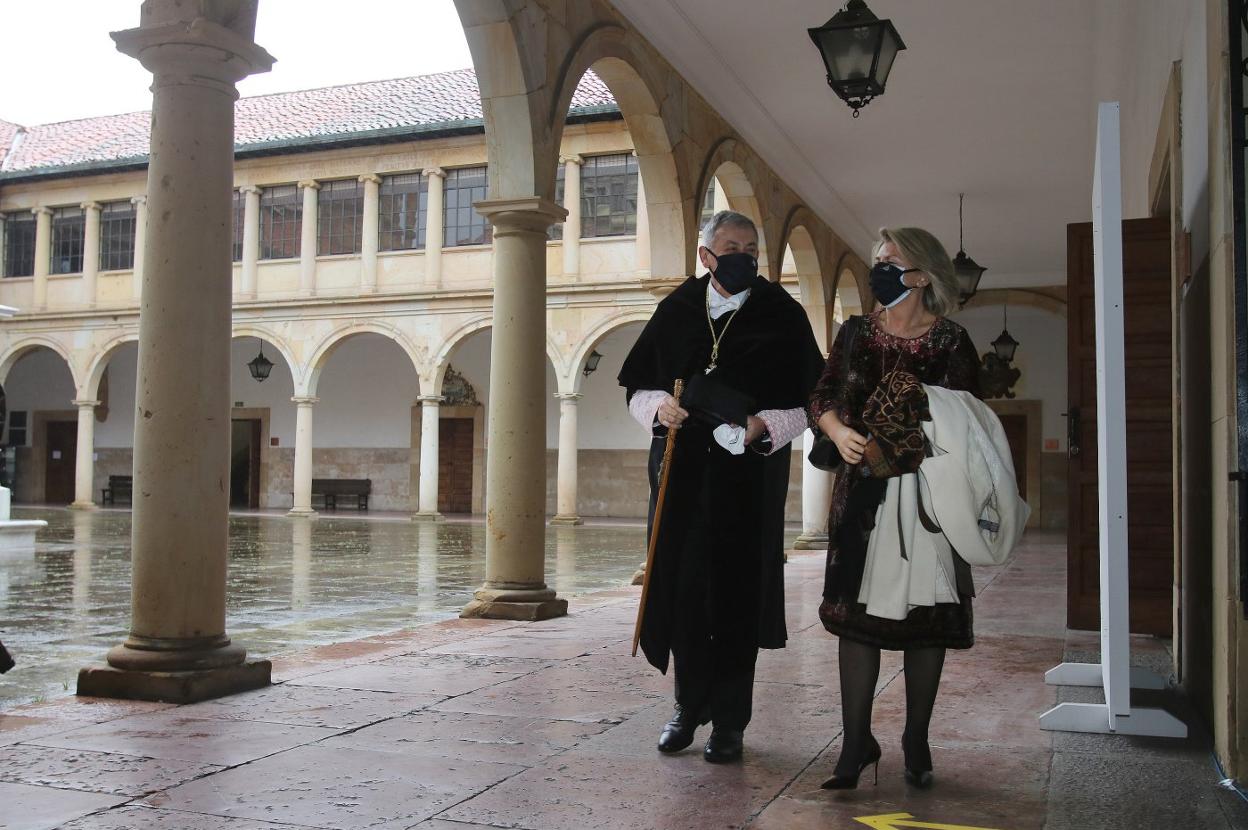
x=101 y=680
x=566 y=521
x=296 y=513
x=510 y=604
x=639 y=578
x=82 y=505
x=424 y=516
x=812 y=541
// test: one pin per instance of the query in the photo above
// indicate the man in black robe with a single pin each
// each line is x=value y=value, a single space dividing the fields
x=745 y=348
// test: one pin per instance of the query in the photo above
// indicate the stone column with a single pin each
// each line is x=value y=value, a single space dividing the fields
x=515 y=586
x=816 y=499
x=565 y=498
x=43 y=254
x=643 y=230
x=307 y=239
x=434 y=228
x=368 y=244
x=90 y=252
x=572 y=225
x=429 y=415
x=303 y=456
x=251 y=242
x=140 y=242
x=84 y=466
x=177 y=649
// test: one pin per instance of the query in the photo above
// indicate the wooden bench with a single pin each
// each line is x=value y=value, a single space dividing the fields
x=331 y=489
x=118 y=487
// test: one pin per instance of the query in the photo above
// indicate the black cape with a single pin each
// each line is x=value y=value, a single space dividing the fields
x=730 y=508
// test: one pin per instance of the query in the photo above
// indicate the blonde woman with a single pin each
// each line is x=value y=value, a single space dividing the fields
x=914 y=285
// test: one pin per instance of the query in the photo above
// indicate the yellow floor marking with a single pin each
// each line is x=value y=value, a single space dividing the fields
x=896 y=821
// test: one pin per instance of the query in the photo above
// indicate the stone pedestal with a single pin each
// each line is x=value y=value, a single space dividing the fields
x=177 y=648
x=429 y=437
x=303 y=458
x=84 y=466
x=565 y=486
x=515 y=585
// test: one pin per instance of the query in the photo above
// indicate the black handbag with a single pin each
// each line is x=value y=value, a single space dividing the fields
x=824 y=455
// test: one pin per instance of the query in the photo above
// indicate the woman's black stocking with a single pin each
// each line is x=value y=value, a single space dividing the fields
x=860 y=669
x=923 y=668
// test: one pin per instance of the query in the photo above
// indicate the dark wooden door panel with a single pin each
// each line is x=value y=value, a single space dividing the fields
x=1148 y=318
x=60 y=461
x=455 y=465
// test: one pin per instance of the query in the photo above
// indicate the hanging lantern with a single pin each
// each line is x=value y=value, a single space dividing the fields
x=968 y=271
x=591 y=363
x=858 y=51
x=260 y=366
x=1005 y=346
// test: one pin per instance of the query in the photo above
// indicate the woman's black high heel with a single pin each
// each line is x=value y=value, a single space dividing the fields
x=850 y=782
x=918 y=763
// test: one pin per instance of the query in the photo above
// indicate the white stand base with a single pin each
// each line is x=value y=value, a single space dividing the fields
x=1095 y=717
x=1089 y=674
x=19 y=536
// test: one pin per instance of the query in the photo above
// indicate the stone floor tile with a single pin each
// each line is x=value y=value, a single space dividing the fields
x=471 y=737
x=578 y=790
x=90 y=709
x=540 y=696
x=177 y=737
x=518 y=645
x=439 y=824
x=142 y=817
x=26 y=807
x=311 y=706
x=338 y=787
x=97 y=772
x=444 y=675
x=17 y=728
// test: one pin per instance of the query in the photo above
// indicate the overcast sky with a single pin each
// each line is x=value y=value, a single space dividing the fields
x=60 y=63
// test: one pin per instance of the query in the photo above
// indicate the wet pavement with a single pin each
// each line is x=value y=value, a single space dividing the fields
x=477 y=724
x=292 y=583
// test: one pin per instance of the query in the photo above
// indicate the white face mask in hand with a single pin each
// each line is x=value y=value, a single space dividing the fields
x=731 y=438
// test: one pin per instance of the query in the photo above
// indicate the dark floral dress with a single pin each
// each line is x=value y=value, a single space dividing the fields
x=944 y=356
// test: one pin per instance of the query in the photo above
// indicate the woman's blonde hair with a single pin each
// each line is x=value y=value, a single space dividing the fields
x=924 y=251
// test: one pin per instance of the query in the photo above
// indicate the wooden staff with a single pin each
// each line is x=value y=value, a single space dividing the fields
x=665 y=467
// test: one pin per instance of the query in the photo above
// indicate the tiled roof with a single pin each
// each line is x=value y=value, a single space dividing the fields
x=447 y=99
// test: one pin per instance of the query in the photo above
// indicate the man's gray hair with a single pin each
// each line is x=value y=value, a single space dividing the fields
x=725 y=219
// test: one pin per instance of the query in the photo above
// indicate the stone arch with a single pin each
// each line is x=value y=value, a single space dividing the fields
x=1018 y=297
x=27 y=344
x=435 y=370
x=730 y=161
x=99 y=363
x=309 y=376
x=273 y=339
x=812 y=294
x=596 y=335
x=604 y=49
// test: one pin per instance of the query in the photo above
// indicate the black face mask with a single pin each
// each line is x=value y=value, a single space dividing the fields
x=735 y=272
x=886 y=283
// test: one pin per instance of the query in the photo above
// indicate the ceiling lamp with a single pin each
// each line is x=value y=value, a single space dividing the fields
x=1004 y=345
x=968 y=271
x=260 y=366
x=591 y=363
x=858 y=51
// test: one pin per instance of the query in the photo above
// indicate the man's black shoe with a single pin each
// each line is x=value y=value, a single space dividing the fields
x=724 y=745
x=678 y=732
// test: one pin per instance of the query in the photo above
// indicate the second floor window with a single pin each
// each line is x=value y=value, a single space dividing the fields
x=403 y=202
x=238 y=211
x=609 y=195
x=340 y=209
x=280 y=213
x=68 y=233
x=117 y=236
x=19 y=244
x=463 y=225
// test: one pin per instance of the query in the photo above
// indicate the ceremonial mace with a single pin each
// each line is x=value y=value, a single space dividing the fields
x=665 y=467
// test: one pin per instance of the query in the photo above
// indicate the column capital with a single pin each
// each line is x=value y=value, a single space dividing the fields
x=85 y=404
x=528 y=213
x=305 y=400
x=572 y=159
x=248 y=189
x=42 y=210
x=430 y=400
x=90 y=205
x=201 y=52
x=312 y=184
x=370 y=177
x=570 y=397
x=138 y=200
x=432 y=172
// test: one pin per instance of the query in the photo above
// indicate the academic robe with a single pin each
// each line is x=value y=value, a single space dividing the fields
x=721 y=508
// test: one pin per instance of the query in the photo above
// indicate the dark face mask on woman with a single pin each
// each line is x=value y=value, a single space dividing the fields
x=735 y=272
x=887 y=285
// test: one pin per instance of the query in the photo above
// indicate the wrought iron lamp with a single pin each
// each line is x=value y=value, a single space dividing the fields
x=591 y=363
x=996 y=374
x=968 y=271
x=858 y=51
x=260 y=366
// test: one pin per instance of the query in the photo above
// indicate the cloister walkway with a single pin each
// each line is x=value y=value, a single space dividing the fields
x=473 y=724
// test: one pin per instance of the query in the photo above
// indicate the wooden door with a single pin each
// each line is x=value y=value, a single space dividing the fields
x=60 y=461
x=245 y=463
x=455 y=465
x=1015 y=427
x=1148 y=321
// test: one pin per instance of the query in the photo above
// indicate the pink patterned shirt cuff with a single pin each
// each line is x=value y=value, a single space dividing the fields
x=644 y=406
x=784 y=425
